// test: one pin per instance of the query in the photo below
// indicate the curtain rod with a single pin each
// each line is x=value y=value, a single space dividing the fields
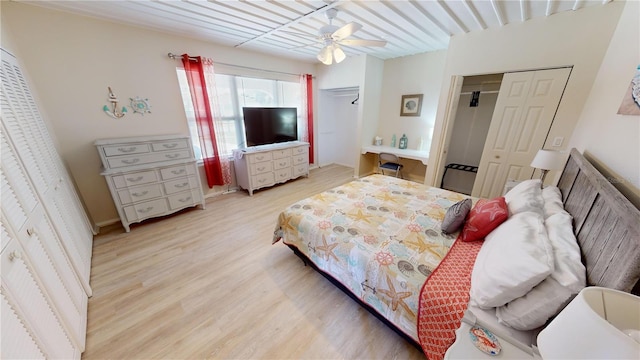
x=179 y=57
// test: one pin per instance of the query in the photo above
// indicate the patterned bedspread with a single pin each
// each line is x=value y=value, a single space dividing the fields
x=379 y=236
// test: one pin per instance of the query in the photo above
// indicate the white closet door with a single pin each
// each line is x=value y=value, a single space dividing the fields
x=25 y=215
x=24 y=294
x=33 y=145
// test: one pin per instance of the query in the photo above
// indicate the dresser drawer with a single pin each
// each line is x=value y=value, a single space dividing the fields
x=282 y=175
x=125 y=149
x=124 y=161
x=146 y=210
x=262 y=180
x=256 y=158
x=261 y=168
x=174 y=186
x=299 y=170
x=136 y=178
x=170 y=145
x=300 y=150
x=139 y=193
x=282 y=163
x=178 y=171
x=300 y=159
x=184 y=199
x=279 y=154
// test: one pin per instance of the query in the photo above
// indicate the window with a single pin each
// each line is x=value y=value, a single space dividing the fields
x=235 y=92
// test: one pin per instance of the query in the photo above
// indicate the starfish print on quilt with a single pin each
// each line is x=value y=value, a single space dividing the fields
x=397 y=298
x=327 y=249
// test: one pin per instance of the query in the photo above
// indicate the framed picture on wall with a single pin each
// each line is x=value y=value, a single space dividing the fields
x=411 y=105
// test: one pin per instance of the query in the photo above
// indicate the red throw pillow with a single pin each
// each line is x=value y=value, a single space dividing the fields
x=485 y=216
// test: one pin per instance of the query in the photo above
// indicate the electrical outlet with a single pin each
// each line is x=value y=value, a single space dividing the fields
x=557 y=141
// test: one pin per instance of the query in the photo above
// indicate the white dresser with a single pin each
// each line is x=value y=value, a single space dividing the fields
x=150 y=176
x=266 y=165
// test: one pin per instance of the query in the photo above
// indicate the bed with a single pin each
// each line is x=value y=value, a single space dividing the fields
x=379 y=239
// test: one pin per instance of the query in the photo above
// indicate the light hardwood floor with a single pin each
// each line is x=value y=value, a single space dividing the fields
x=209 y=284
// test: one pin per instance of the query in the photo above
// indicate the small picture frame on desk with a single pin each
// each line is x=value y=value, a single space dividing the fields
x=411 y=105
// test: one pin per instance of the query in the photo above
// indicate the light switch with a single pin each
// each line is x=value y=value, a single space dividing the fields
x=557 y=141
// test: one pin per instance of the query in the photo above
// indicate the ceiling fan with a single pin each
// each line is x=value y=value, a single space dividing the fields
x=332 y=37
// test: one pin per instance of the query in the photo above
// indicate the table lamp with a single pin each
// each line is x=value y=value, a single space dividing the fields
x=546 y=160
x=599 y=323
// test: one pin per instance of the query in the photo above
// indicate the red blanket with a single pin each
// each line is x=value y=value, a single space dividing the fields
x=444 y=298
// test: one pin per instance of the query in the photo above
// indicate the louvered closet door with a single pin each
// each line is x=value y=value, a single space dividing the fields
x=25 y=216
x=28 y=135
x=27 y=300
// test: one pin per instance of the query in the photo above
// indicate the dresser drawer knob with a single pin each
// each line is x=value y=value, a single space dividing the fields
x=184 y=200
x=283 y=164
x=140 y=193
x=144 y=211
x=169 y=146
x=180 y=186
x=172 y=156
x=135 y=179
x=261 y=168
x=127 y=150
x=130 y=162
x=177 y=172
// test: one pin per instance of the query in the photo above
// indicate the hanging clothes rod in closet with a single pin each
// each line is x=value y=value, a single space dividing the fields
x=481 y=92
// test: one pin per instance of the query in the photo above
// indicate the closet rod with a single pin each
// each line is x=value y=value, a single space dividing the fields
x=179 y=57
x=481 y=92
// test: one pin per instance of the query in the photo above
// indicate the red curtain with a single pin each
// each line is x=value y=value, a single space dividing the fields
x=194 y=68
x=309 y=110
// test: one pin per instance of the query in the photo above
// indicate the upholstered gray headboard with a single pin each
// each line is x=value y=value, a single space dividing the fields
x=606 y=224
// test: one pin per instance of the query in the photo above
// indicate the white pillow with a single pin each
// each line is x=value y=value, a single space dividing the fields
x=569 y=270
x=536 y=307
x=526 y=196
x=550 y=296
x=514 y=258
x=552 y=201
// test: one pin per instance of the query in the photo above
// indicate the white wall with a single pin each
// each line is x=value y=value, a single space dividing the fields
x=609 y=140
x=72 y=59
x=416 y=74
x=574 y=38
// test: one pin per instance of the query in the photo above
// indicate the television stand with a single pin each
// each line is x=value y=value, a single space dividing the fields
x=266 y=165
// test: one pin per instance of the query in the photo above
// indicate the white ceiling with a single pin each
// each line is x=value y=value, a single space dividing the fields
x=283 y=28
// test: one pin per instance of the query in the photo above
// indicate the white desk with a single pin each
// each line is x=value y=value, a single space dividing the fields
x=403 y=153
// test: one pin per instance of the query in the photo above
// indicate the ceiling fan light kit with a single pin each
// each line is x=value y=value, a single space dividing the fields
x=331 y=37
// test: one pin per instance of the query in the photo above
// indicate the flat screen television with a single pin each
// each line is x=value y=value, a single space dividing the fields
x=269 y=125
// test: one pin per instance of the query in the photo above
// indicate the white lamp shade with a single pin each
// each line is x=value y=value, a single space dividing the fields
x=599 y=323
x=338 y=54
x=325 y=55
x=548 y=160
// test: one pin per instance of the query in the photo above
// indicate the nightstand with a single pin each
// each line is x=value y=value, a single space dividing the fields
x=463 y=348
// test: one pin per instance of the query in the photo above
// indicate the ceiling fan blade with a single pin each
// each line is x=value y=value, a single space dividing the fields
x=358 y=42
x=346 y=31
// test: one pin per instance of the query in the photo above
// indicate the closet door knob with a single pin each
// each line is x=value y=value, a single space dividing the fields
x=14 y=255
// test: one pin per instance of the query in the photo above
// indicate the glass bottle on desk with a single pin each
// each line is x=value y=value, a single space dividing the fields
x=393 y=140
x=403 y=142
